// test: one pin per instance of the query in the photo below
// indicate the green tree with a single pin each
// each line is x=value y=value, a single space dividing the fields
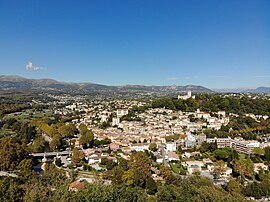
x=244 y=167
x=38 y=145
x=267 y=154
x=11 y=153
x=151 y=186
x=140 y=166
x=25 y=167
x=58 y=162
x=223 y=154
x=165 y=172
x=86 y=139
x=56 y=142
x=233 y=187
x=77 y=157
x=153 y=147
x=219 y=168
x=83 y=129
x=67 y=130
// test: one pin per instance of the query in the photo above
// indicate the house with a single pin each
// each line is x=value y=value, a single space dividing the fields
x=77 y=185
x=114 y=146
x=259 y=166
x=193 y=166
x=194 y=169
x=227 y=172
x=139 y=146
x=94 y=158
x=200 y=138
x=159 y=158
x=207 y=161
x=190 y=143
x=186 y=155
x=115 y=121
x=171 y=146
x=203 y=115
x=121 y=112
x=172 y=156
x=221 y=113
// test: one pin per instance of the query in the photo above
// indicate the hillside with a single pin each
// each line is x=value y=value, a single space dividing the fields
x=18 y=82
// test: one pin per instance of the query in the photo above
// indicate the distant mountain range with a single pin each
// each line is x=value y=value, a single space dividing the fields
x=18 y=82
x=243 y=90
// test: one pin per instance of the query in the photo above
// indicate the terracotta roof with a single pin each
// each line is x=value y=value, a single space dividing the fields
x=77 y=185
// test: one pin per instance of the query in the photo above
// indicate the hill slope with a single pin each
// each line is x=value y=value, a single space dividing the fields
x=17 y=82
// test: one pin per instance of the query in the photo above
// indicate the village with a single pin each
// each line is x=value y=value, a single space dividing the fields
x=173 y=138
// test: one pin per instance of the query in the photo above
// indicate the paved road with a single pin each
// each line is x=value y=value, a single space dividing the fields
x=51 y=153
x=163 y=153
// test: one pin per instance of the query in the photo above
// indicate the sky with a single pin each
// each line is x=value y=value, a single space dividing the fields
x=216 y=44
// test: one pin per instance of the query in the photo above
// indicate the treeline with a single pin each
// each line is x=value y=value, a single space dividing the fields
x=11 y=108
x=214 y=103
x=191 y=189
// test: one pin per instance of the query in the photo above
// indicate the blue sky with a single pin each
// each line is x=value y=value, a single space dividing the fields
x=217 y=44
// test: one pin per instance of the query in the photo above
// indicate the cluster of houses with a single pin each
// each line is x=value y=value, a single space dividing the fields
x=154 y=125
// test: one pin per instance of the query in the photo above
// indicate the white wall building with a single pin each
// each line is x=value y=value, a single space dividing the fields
x=187 y=96
x=115 y=121
x=121 y=112
x=171 y=146
x=139 y=146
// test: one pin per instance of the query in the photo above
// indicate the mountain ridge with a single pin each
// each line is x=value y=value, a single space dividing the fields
x=19 y=82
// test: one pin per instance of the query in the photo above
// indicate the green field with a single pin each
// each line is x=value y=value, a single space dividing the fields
x=175 y=168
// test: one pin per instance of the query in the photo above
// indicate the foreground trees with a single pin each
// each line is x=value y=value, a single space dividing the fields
x=11 y=154
x=55 y=188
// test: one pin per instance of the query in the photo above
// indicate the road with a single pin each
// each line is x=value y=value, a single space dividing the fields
x=163 y=153
x=52 y=153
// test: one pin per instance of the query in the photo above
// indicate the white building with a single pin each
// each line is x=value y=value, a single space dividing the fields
x=172 y=156
x=243 y=146
x=260 y=166
x=103 y=118
x=171 y=146
x=115 y=121
x=121 y=112
x=187 y=96
x=193 y=166
x=139 y=146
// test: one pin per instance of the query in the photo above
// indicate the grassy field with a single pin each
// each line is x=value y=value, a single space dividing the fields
x=175 y=168
x=6 y=132
x=30 y=114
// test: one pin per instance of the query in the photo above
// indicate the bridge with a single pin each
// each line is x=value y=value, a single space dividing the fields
x=62 y=153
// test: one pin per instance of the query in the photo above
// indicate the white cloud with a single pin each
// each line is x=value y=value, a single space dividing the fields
x=30 y=66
